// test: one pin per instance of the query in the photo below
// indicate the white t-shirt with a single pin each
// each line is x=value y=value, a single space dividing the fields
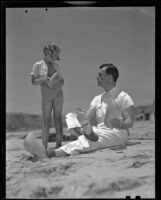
x=110 y=104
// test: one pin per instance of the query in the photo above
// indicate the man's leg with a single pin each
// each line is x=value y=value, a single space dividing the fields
x=57 y=111
x=75 y=132
x=86 y=126
x=79 y=124
x=33 y=146
x=55 y=153
x=73 y=126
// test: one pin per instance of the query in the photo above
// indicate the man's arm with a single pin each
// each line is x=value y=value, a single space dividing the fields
x=128 y=119
x=91 y=114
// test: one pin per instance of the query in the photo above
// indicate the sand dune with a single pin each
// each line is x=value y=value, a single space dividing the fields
x=116 y=172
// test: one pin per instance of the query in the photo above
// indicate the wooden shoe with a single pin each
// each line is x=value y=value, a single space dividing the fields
x=33 y=146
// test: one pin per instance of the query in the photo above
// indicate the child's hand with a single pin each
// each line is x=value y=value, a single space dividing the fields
x=50 y=84
x=45 y=80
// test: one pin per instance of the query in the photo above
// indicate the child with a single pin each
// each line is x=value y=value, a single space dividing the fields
x=48 y=75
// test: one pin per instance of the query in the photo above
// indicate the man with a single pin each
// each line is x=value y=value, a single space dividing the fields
x=112 y=111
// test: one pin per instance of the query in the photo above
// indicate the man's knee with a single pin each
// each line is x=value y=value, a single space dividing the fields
x=71 y=115
x=71 y=120
x=74 y=133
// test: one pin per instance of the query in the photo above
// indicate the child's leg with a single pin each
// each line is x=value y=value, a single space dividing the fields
x=58 y=107
x=46 y=110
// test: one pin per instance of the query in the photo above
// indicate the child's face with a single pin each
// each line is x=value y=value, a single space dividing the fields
x=52 y=54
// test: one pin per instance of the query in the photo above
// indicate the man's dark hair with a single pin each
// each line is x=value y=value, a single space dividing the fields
x=112 y=70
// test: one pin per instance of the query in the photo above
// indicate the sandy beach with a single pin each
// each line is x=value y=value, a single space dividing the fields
x=107 y=173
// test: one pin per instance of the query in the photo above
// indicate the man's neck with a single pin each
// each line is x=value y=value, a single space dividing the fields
x=109 y=88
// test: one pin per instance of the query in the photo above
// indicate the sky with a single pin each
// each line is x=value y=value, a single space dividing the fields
x=88 y=37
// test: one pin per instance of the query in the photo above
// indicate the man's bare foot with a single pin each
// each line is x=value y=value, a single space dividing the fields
x=50 y=153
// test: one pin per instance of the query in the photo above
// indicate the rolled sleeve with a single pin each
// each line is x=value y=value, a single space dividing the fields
x=126 y=102
x=35 y=70
x=93 y=102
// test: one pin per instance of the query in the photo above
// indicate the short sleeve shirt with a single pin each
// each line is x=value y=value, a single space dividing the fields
x=114 y=102
x=40 y=69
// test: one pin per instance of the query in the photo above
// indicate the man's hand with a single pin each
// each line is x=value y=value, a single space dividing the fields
x=82 y=116
x=128 y=119
x=116 y=123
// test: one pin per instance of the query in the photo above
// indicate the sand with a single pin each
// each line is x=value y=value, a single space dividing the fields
x=107 y=173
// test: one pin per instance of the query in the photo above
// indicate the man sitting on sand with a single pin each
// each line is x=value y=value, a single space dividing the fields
x=105 y=124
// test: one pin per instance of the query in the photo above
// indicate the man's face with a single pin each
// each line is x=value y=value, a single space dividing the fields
x=103 y=79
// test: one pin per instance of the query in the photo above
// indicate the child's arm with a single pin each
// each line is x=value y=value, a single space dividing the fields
x=38 y=81
x=57 y=74
x=35 y=80
x=56 y=77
